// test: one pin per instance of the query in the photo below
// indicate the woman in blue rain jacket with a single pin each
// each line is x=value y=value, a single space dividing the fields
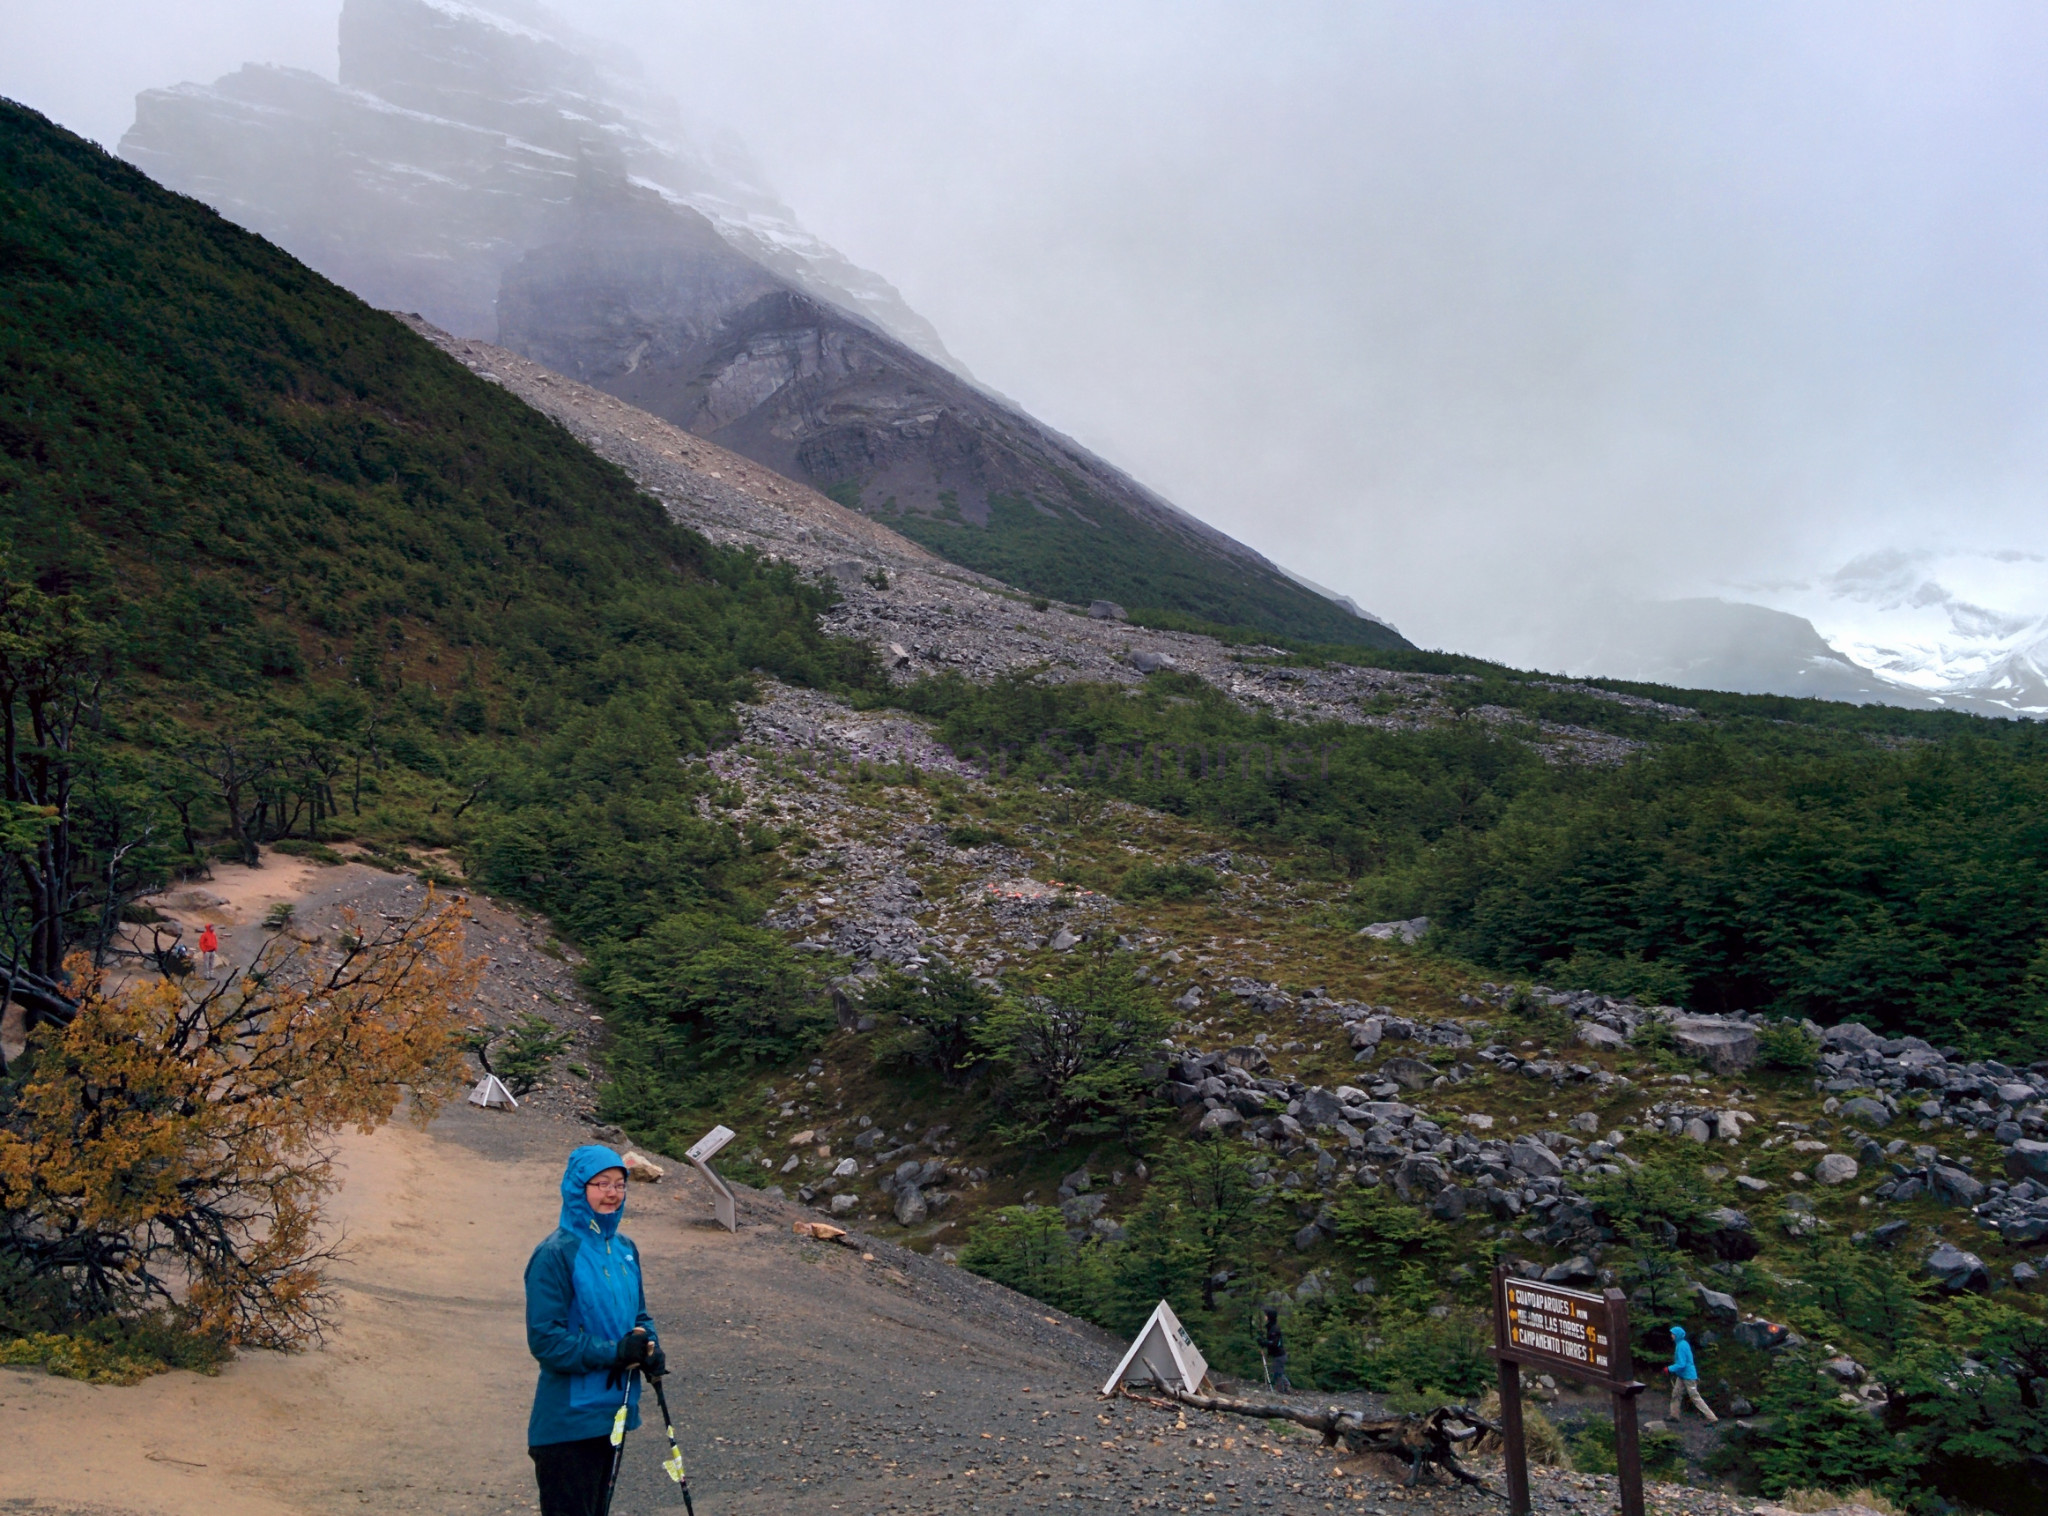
x=587 y=1324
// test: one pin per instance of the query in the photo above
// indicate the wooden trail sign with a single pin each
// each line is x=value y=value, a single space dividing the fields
x=1582 y=1336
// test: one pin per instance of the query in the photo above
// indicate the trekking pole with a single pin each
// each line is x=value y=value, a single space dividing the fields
x=618 y=1442
x=673 y=1464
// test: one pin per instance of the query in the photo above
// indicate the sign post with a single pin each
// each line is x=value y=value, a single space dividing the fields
x=1580 y=1335
x=722 y=1203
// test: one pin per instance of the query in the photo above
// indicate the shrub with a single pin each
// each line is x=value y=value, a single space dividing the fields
x=1074 y=1055
x=1167 y=881
x=1787 y=1047
x=522 y=1059
x=1807 y=1436
x=932 y=1022
x=1028 y=1249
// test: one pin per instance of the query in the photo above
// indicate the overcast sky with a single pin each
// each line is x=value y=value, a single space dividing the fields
x=1474 y=312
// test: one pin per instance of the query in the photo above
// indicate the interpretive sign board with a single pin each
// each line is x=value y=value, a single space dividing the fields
x=1552 y=1327
x=1582 y=1336
x=701 y=1152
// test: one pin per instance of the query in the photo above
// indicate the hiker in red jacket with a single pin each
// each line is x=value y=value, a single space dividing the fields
x=209 y=944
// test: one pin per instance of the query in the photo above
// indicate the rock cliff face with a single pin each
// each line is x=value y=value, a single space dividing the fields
x=510 y=181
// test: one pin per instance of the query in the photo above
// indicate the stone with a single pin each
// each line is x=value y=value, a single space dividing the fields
x=1753 y=1184
x=845 y=1168
x=1222 y=1119
x=1477 y=1122
x=1697 y=1130
x=1586 y=1121
x=1365 y=1032
x=1889 y=1234
x=1411 y=931
x=1105 y=610
x=1723 y=1045
x=1409 y=1073
x=1190 y=1000
x=1534 y=1159
x=1591 y=1034
x=841 y=1204
x=1716 y=1306
x=2015 y=1094
x=1321 y=1107
x=1956 y=1271
x=1082 y=1209
x=911 y=1206
x=1835 y=1168
x=1740 y=1407
x=1063 y=941
x=1953 y=1186
x=1866 y=1112
x=1418 y=1179
x=1846 y=1369
x=1578 y=1269
x=1730 y=1235
x=2023 y=1231
x=898 y=656
x=2027 y=1159
x=1727 y=1126
x=1851 y=1037
x=1449 y=1204
x=2026 y=1277
x=1152 y=663
x=1307 y=1237
x=1764 y=1336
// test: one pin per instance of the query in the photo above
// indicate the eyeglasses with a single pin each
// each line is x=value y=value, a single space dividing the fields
x=609 y=1186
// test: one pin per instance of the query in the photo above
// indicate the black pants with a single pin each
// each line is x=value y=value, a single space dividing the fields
x=573 y=1475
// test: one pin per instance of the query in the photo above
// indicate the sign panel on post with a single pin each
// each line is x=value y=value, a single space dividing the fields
x=1553 y=1327
x=700 y=1154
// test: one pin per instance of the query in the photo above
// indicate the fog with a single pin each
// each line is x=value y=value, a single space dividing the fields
x=1491 y=316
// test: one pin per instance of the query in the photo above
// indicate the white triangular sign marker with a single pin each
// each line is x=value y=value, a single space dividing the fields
x=1163 y=1353
x=490 y=1091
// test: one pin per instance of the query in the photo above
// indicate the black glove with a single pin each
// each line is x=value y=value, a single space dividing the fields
x=633 y=1347
x=656 y=1363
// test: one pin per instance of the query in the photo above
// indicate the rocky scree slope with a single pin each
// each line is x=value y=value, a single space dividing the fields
x=924 y=615
x=508 y=179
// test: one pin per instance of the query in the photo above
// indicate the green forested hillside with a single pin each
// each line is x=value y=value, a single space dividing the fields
x=285 y=572
x=1790 y=856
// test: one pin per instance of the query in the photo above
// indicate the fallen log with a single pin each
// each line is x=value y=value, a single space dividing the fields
x=1433 y=1437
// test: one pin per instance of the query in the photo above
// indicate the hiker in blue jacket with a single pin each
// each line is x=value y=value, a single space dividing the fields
x=587 y=1323
x=1685 y=1378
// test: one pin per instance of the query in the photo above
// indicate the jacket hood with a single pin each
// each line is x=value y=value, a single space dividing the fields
x=1677 y=1333
x=584 y=1165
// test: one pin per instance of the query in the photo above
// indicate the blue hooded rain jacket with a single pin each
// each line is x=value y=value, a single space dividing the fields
x=583 y=1294
x=1681 y=1357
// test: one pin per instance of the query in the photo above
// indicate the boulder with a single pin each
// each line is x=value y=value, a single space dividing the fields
x=1835 y=1168
x=2015 y=1094
x=841 y=1204
x=1586 y=1121
x=1321 y=1107
x=1728 y=1234
x=1716 y=1306
x=1956 y=1271
x=1953 y=1186
x=1850 y=1037
x=1365 y=1032
x=1578 y=1269
x=1222 y=1119
x=1307 y=1237
x=1866 y=1112
x=1190 y=1000
x=2027 y=1159
x=899 y=656
x=1105 y=610
x=1063 y=941
x=1888 y=1235
x=1534 y=1159
x=1844 y=1368
x=1412 y=930
x=1082 y=1209
x=911 y=1206
x=1591 y=1034
x=1152 y=663
x=1764 y=1336
x=2023 y=1231
x=1449 y=1204
x=1409 y=1073
x=1418 y=1179
x=1723 y=1045
x=2026 y=1277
